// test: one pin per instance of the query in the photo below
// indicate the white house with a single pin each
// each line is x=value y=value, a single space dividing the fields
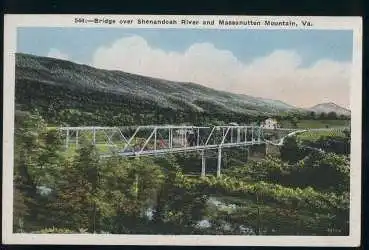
x=184 y=131
x=232 y=124
x=270 y=123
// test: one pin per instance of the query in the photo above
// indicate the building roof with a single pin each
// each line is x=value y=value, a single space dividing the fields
x=271 y=119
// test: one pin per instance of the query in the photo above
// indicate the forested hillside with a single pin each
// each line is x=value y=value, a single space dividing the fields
x=65 y=92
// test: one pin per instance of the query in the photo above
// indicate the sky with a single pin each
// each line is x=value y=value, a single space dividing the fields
x=300 y=67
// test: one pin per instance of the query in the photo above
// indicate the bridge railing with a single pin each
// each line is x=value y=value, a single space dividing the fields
x=156 y=139
x=143 y=139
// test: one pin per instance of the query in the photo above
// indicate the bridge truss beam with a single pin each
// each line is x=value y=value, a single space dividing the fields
x=135 y=141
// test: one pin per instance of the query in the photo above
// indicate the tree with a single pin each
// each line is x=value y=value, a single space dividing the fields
x=179 y=205
x=76 y=194
x=332 y=115
x=110 y=195
x=37 y=158
x=126 y=193
x=290 y=150
x=323 y=116
x=294 y=120
x=327 y=172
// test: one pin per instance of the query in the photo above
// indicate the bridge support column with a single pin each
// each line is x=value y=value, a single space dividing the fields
x=94 y=136
x=252 y=134
x=67 y=139
x=76 y=138
x=203 y=164
x=155 y=135
x=231 y=135
x=170 y=138
x=219 y=161
x=247 y=153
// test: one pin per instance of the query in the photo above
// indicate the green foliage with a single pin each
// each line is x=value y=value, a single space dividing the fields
x=268 y=219
x=313 y=136
x=106 y=195
x=291 y=151
x=36 y=162
x=275 y=193
x=316 y=122
x=179 y=205
x=324 y=171
x=332 y=115
x=331 y=143
x=274 y=209
x=302 y=192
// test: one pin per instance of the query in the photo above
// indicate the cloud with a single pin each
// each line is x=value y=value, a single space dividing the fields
x=55 y=53
x=279 y=75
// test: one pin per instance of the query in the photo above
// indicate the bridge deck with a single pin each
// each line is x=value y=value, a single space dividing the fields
x=184 y=149
x=158 y=140
x=161 y=139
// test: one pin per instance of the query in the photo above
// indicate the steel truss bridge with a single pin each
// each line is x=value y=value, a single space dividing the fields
x=135 y=141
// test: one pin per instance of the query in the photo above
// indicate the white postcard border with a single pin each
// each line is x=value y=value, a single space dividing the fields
x=12 y=22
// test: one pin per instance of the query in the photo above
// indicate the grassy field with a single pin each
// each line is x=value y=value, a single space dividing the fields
x=315 y=135
x=316 y=123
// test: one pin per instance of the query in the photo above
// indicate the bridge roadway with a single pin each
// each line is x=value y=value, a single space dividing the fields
x=136 y=141
x=185 y=149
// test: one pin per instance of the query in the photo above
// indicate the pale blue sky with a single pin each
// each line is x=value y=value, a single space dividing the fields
x=80 y=44
x=300 y=67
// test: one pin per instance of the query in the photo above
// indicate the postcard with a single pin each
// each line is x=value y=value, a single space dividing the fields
x=182 y=130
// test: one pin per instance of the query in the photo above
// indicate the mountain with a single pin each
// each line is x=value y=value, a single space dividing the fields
x=330 y=107
x=55 y=84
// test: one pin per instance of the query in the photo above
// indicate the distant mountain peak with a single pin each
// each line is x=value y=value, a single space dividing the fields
x=330 y=107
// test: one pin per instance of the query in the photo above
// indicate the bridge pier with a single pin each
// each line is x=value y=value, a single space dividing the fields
x=67 y=139
x=76 y=138
x=94 y=136
x=219 y=161
x=266 y=149
x=203 y=164
x=170 y=138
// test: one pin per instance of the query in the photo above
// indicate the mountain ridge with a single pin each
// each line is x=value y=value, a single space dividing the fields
x=57 y=84
x=328 y=107
x=67 y=73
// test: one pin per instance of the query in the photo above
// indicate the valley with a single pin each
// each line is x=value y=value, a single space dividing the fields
x=300 y=187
